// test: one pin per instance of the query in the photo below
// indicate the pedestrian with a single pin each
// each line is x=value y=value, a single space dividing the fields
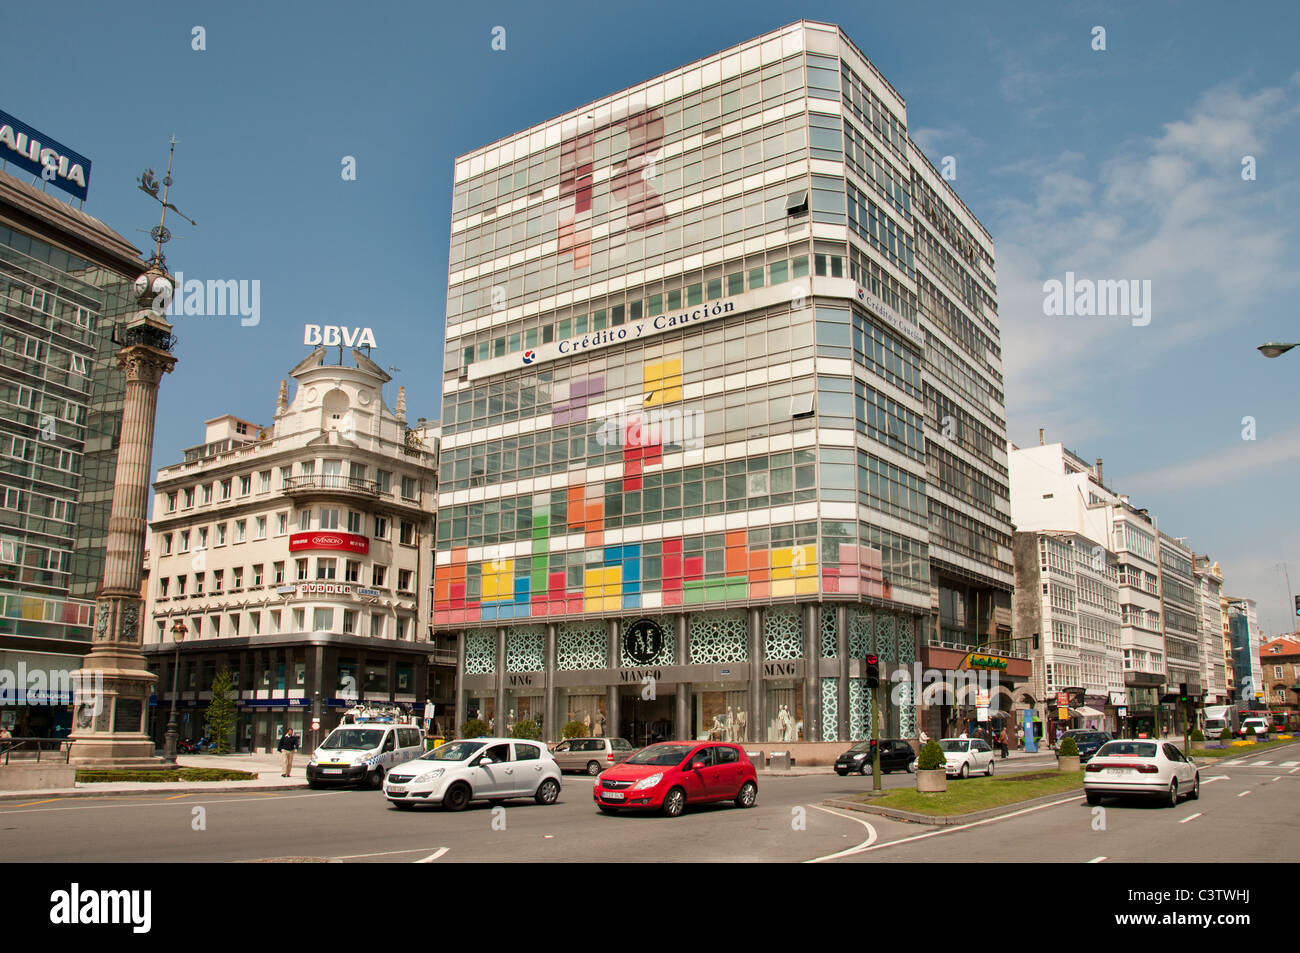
x=288 y=745
x=1004 y=742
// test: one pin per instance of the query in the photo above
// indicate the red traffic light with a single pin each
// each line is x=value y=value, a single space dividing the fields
x=871 y=660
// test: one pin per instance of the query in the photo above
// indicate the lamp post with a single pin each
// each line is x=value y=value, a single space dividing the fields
x=1275 y=348
x=169 y=749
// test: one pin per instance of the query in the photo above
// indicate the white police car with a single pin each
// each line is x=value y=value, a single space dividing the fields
x=363 y=750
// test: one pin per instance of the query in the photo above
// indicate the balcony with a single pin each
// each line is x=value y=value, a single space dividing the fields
x=330 y=484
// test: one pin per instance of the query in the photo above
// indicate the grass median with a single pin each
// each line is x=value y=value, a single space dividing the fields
x=1239 y=750
x=85 y=776
x=979 y=794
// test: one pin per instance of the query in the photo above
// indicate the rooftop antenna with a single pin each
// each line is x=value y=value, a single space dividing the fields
x=149 y=185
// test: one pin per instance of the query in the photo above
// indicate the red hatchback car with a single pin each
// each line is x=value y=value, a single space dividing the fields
x=672 y=774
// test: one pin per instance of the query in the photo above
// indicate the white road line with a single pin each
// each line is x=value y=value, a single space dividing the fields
x=385 y=853
x=1293 y=770
x=1260 y=764
x=1278 y=778
x=259 y=798
x=1243 y=794
x=1221 y=777
x=866 y=844
x=1289 y=764
x=1190 y=817
x=434 y=856
x=1096 y=860
x=962 y=827
x=1227 y=763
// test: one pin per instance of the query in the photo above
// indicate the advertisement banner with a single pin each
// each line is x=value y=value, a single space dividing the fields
x=330 y=541
x=48 y=160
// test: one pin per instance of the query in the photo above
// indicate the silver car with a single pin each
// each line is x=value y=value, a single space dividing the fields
x=592 y=755
x=1141 y=766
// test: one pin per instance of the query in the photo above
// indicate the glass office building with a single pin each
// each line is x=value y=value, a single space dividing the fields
x=65 y=282
x=690 y=359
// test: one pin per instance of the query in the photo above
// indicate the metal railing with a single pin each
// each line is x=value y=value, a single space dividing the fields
x=29 y=749
x=331 y=481
x=1017 y=648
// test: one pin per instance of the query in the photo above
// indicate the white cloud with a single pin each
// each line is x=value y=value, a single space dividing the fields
x=1222 y=467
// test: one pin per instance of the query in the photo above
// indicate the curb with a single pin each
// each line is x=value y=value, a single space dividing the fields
x=950 y=820
x=178 y=788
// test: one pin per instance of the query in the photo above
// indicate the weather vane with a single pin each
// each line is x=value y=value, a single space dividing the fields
x=160 y=233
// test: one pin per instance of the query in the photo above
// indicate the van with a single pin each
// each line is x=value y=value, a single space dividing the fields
x=363 y=752
x=592 y=755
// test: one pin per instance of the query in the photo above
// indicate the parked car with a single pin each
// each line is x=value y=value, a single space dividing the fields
x=895 y=754
x=1253 y=727
x=669 y=775
x=964 y=757
x=592 y=755
x=1145 y=767
x=481 y=769
x=361 y=753
x=1089 y=741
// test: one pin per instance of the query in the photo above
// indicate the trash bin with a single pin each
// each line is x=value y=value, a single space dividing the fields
x=779 y=761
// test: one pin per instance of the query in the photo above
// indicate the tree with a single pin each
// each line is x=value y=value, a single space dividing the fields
x=526 y=729
x=575 y=729
x=475 y=728
x=222 y=714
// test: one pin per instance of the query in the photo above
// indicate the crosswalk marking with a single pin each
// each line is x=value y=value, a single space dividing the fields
x=1233 y=761
x=1243 y=794
x=1261 y=764
x=1289 y=764
x=1190 y=817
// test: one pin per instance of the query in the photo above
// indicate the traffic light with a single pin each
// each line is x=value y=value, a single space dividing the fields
x=1297 y=605
x=873 y=671
x=1182 y=692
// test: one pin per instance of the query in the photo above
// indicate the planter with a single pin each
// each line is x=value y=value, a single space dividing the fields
x=931 y=782
x=1067 y=762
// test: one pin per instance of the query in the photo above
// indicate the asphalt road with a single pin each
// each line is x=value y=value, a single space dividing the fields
x=789 y=823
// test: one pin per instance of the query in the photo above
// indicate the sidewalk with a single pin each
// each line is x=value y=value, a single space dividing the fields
x=265 y=766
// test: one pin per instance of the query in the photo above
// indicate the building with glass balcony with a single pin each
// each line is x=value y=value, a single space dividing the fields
x=722 y=409
x=65 y=288
x=298 y=556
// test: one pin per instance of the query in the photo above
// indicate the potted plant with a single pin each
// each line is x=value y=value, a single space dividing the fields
x=574 y=729
x=931 y=768
x=1225 y=736
x=1067 y=754
x=475 y=728
x=526 y=729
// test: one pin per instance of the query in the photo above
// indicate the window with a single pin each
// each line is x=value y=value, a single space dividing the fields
x=260 y=528
x=264 y=482
x=163 y=582
x=185 y=541
x=171 y=502
x=207 y=493
x=352 y=571
x=241 y=527
x=406 y=533
x=376 y=626
x=354 y=522
x=237 y=578
x=286 y=476
x=304 y=521
x=385 y=481
x=167 y=544
x=277 y=573
x=180 y=585
x=299 y=619
x=246 y=484
x=255 y=623
x=198 y=583
x=275 y=619
x=349 y=622
x=189 y=497
x=302 y=569
x=234 y=624
x=203 y=537
x=410 y=488
x=322 y=620
x=281 y=523
x=217 y=577
x=329 y=519
x=221 y=534
x=378 y=576
x=381 y=527
x=225 y=488
x=404 y=580
x=257 y=574
x=326 y=568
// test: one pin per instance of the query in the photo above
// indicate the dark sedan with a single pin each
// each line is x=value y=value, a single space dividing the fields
x=1088 y=740
x=895 y=754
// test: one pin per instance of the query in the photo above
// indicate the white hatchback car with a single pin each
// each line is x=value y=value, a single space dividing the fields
x=1154 y=768
x=478 y=769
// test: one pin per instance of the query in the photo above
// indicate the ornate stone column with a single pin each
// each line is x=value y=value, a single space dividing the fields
x=114 y=682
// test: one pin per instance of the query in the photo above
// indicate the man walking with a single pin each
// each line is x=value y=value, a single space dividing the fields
x=288 y=745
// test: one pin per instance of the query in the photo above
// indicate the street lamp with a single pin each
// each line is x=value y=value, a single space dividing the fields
x=1275 y=348
x=169 y=748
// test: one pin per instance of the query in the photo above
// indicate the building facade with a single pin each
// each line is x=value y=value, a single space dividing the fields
x=1179 y=617
x=1279 y=660
x=299 y=556
x=685 y=482
x=1245 y=638
x=1214 y=667
x=65 y=288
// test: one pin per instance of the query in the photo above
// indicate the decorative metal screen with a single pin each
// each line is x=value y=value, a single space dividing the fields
x=861 y=637
x=828 y=632
x=783 y=630
x=885 y=637
x=718 y=637
x=860 y=705
x=906 y=636
x=830 y=710
x=581 y=645
x=525 y=649
x=481 y=653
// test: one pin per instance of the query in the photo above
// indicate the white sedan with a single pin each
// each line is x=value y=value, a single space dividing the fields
x=964 y=757
x=1152 y=768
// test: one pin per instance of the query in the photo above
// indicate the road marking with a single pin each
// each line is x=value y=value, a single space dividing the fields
x=1190 y=817
x=1243 y=793
x=177 y=797
x=1233 y=761
x=962 y=827
x=1096 y=860
x=1289 y=764
x=434 y=856
x=1260 y=764
x=46 y=801
x=152 y=802
x=865 y=845
x=1278 y=778
x=1293 y=770
x=385 y=853
x=1221 y=777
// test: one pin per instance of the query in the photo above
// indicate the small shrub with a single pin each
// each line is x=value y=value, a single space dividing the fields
x=1198 y=735
x=475 y=728
x=1069 y=748
x=1225 y=734
x=575 y=729
x=931 y=757
x=526 y=729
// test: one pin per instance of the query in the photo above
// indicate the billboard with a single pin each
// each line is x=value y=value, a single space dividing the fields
x=35 y=152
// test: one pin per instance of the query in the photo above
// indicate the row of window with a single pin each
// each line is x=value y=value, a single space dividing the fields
x=242 y=486
x=236 y=531
x=323 y=619
x=326 y=569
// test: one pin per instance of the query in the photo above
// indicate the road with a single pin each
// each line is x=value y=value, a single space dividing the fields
x=1240 y=817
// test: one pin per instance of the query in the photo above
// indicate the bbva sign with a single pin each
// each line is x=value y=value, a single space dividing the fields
x=332 y=335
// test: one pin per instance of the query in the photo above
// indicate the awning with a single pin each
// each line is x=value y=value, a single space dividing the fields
x=1086 y=712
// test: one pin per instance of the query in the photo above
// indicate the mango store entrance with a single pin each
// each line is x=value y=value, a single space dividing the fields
x=643 y=721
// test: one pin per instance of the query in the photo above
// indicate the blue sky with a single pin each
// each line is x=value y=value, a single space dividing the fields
x=1123 y=163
